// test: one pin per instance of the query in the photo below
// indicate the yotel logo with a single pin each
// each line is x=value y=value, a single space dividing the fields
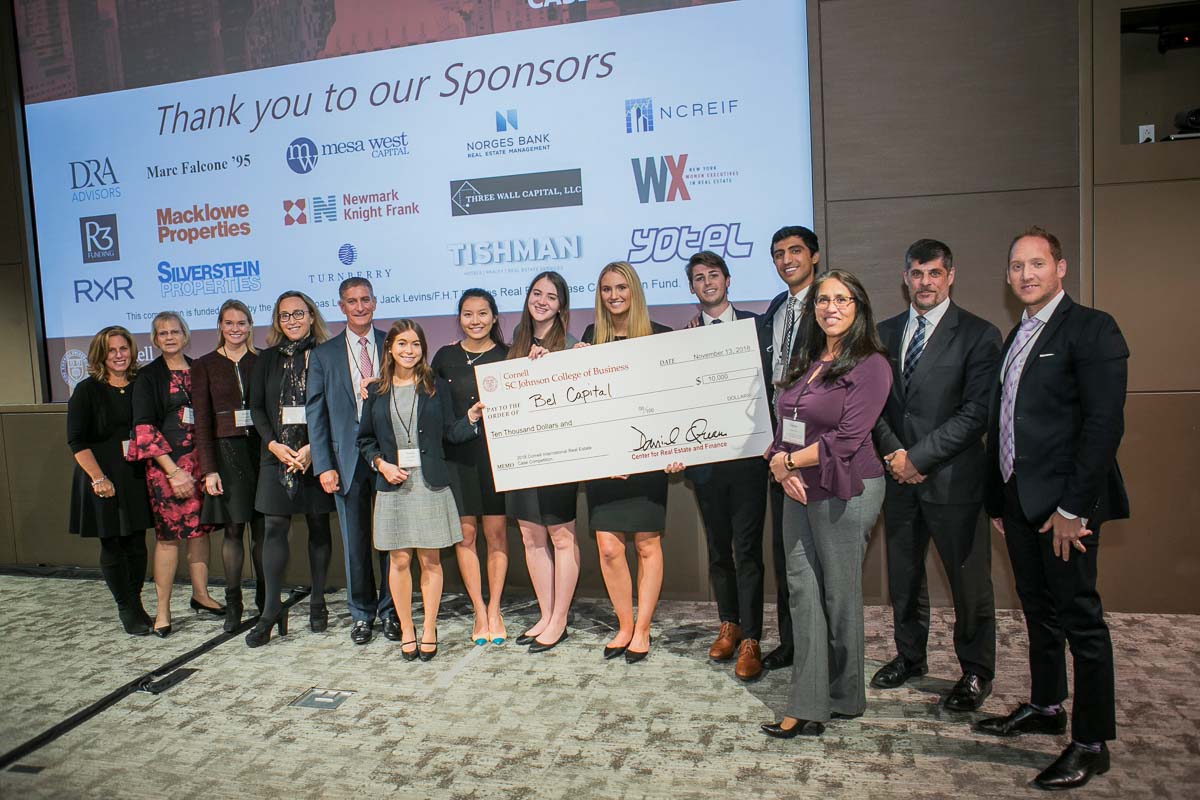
x=98 y=238
x=90 y=291
x=678 y=243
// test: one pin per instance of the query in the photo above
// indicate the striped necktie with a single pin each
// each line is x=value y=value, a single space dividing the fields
x=912 y=355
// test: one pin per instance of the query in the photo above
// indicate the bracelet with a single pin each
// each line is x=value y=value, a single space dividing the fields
x=176 y=472
x=787 y=461
x=99 y=481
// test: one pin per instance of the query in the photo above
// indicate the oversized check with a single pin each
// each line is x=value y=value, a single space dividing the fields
x=691 y=396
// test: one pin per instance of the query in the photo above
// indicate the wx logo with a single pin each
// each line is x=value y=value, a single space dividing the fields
x=652 y=174
x=324 y=209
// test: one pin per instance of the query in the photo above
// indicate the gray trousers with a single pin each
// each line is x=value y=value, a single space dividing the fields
x=825 y=542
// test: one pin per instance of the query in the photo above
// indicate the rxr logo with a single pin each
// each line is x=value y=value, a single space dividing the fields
x=651 y=175
x=92 y=291
x=98 y=238
x=671 y=244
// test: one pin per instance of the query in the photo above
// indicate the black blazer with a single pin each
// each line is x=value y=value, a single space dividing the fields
x=263 y=395
x=703 y=473
x=766 y=346
x=435 y=422
x=1068 y=420
x=151 y=392
x=941 y=420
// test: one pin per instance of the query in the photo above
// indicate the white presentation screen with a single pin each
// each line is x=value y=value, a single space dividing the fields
x=476 y=144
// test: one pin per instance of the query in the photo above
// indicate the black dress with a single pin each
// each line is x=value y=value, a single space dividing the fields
x=470 y=464
x=271 y=497
x=544 y=505
x=633 y=505
x=100 y=419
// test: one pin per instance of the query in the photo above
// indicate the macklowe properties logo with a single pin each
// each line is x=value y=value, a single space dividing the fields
x=503 y=193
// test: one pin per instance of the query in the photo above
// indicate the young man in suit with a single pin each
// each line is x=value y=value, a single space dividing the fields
x=338 y=373
x=732 y=496
x=1057 y=417
x=796 y=254
x=931 y=437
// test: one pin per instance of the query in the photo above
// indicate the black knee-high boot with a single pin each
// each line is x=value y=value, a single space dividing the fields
x=275 y=558
x=116 y=577
x=233 y=555
x=134 y=549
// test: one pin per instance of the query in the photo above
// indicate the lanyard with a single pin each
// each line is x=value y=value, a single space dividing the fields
x=1012 y=358
x=237 y=371
x=411 y=412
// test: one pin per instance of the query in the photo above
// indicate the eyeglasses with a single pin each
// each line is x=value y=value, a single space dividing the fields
x=840 y=302
x=296 y=315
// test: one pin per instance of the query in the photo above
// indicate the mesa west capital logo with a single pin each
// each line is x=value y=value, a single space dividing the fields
x=98 y=238
x=302 y=154
x=502 y=193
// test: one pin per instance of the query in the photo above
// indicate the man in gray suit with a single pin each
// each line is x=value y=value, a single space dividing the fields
x=930 y=434
x=338 y=373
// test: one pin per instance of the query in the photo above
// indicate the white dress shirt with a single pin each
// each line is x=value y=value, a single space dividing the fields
x=777 y=331
x=932 y=317
x=725 y=316
x=356 y=376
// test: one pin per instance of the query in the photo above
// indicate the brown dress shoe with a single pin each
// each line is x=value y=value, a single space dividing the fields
x=749 y=661
x=727 y=641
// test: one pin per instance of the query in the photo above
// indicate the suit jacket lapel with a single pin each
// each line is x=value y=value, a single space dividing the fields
x=942 y=335
x=895 y=336
x=1056 y=321
x=341 y=367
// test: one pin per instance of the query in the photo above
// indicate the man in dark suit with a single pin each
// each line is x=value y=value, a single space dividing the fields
x=1057 y=417
x=796 y=254
x=732 y=496
x=338 y=372
x=931 y=434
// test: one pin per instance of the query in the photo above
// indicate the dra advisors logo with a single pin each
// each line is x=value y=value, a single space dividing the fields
x=98 y=238
x=94 y=179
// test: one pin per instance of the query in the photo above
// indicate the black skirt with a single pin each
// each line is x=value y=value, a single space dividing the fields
x=634 y=505
x=272 y=498
x=474 y=489
x=544 y=505
x=237 y=464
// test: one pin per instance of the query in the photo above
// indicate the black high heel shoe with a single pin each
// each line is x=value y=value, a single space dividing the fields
x=409 y=655
x=524 y=639
x=260 y=634
x=803 y=727
x=162 y=632
x=233 y=610
x=427 y=655
x=200 y=608
x=634 y=656
x=318 y=618
x=541 y=647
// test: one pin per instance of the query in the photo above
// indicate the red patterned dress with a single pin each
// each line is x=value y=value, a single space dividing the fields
x=174 y=518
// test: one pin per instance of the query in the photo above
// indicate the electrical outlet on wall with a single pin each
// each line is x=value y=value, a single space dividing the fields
x=1145 y=134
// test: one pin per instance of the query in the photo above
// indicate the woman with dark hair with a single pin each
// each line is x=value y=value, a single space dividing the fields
x=546 y=514
x=108 y=493
x=470 y=464
x=629 y=504
x=286 y=484
x=163 y=437
x=825 y=459
x=406 y=416
x=228 y=448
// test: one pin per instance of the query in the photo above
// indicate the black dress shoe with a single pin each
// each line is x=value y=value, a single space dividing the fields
x=361 y=632
x=541 y=647
x=896 y=672
x=1074 y=768
x=427 y=655
x=525 y=639
x=409 y=655
x=779 y=658
x=634 y=656
x=1025 y=719
x=391 y=629
x=614 y=652
x=318 y=618
x=217 y=611
x=803 y=727
x=162 y=632
x=969 y=693
x=133 y=623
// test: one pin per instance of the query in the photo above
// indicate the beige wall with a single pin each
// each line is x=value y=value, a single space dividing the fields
x=943 y=118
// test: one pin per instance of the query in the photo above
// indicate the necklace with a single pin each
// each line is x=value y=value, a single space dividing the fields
x=467 y=354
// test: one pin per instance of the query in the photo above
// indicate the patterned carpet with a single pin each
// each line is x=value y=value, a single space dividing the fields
x=500 y=722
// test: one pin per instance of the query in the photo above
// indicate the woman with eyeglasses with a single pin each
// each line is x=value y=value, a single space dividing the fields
x=228 y=447
x=108 y=493
x=406 y=417
x=546 y=514
x=832 y=477
x=479 y=504
x=286 y=484
x=164 y=437
x=627 y=505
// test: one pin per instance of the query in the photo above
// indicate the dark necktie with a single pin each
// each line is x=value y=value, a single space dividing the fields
x=789 y=322
x=715 y=322
x=912 y=355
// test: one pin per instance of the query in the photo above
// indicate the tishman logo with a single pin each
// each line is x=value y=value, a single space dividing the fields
x=98 y=237
x=516 y=192
x=550 y=247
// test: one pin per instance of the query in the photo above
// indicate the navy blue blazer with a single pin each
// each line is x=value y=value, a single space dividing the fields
x=435 y=422
x=331 y=410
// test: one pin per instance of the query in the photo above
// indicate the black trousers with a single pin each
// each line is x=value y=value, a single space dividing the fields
x=733 y=506
x=965 y=549
x=1062 y=607
x=779 y=555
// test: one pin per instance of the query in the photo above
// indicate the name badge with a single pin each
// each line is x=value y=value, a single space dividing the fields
x=242 y=418
x=408 y=458
x=125 y=449
x=793 y=432
x=294 y=415
x=189 y=416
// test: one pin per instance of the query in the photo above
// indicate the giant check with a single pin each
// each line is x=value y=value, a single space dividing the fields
x=690 y=396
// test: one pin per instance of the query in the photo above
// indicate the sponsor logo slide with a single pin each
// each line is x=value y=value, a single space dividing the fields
x=534 y=249
x=349 y=207
x=202 y=222
x=677 y=243
x=670 y=178
x=642 y=113
x=503 y=193
x=347 y=261
x=99 y=240
x=94 y=179
x=303 y=154
x=514 y=142
x=117 y=287
x=224 y=277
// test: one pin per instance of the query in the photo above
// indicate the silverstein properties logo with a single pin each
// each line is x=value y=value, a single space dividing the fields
x=502 y=193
